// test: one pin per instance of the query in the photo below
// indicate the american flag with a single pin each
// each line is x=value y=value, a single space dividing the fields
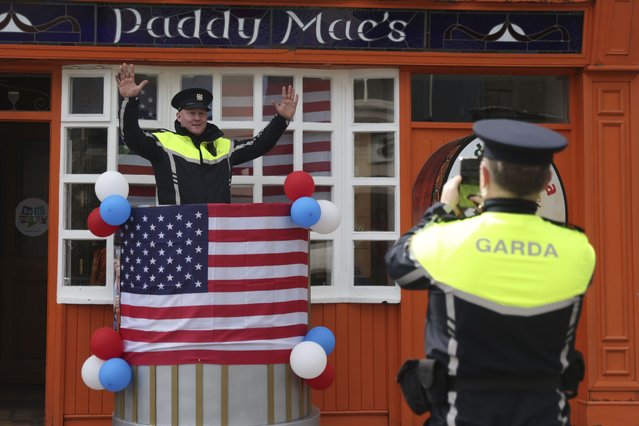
x=216 y=283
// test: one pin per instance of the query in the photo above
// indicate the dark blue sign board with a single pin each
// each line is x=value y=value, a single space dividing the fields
x=100 y=24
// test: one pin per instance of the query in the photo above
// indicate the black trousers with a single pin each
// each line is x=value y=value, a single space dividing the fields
x=542 y=408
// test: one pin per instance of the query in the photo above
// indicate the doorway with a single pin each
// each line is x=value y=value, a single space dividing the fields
x=24 y=223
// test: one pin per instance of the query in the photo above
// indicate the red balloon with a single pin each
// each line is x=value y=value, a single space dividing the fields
x=298 y=184
x=106 y=343
x=324 y=380
x=98 y=226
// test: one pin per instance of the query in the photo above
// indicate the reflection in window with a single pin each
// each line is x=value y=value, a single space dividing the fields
x=237 y=97
x=274 y=194
x=85 y=262
x=87 y=95
x=86 y=150
x=80 y=201
x=197 y=81
x=374 y=208
x=241 y=194
x=272 y=92
x=142 y=195
x=370 y=268
x=244 y=169
x=317 y=100
x=130 y=163
x=148 y=97
x=374 y=100
x=279 y=160
x=467 y=98
x=323 y=193
x=321 y=260
x=317 y=153
x=25 y=92
x=374 y=154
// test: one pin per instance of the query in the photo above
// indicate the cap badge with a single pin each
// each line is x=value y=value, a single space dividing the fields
x=199 y=97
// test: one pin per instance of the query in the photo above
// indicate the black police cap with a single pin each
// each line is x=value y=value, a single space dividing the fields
x=192 y=98
x=518 y=141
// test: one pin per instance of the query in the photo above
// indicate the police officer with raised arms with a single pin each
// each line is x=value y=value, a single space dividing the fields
x=193 y=164
x=506 y=288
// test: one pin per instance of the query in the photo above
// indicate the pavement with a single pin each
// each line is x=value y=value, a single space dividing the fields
x=21 y=405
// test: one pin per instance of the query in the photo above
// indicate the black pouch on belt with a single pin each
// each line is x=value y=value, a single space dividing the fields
x=573 y=375
x=421 y=383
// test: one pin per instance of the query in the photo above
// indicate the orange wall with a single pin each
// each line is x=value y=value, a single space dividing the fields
x=365 y=361
x=80 y=403
x=599 y=172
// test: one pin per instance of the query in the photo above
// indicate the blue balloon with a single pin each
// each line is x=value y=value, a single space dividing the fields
x=305 y=212
x=323 y=337
x=115 y=374
x=115 y=210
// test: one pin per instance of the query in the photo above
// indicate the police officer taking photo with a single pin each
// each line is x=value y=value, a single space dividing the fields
x=506 y=288
x=194 y=163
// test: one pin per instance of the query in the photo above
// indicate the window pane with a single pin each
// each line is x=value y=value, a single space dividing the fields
x=374 y=208
x=148 y=97
x=244 y=169
x=317 y=153
x=25 y=92
x=130 y=163
x=86 y=150
x=87 y=95
x=370 y=268
x=199 y=82
x=374 y=154
x=323 y=193
x=274 y=194
x=272 y=91
x=374 y=100
x=142 y=195
x=321 y=259
x=85 y=262
x=81 y=200
x=467 y=98
x=241 y=194
x=237 y=97
x=317 y=100
x=279 y=160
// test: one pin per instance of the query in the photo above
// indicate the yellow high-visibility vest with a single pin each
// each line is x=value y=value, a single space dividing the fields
x=514 y=260
x=182 y=146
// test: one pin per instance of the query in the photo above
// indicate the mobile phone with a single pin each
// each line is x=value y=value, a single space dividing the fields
x=469 y=171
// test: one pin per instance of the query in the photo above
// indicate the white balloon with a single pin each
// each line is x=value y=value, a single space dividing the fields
x=329 y=218
x=111 y=183
x=308 y=360
x=91 y=372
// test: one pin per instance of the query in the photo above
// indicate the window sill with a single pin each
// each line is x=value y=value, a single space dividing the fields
x=363 y=294
x=85 y=295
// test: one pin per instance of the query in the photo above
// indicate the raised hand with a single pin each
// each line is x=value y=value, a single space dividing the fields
x=126 y=81
x=288 y=104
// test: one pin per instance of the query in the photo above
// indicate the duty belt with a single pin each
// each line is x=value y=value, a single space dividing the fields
x=503 y=384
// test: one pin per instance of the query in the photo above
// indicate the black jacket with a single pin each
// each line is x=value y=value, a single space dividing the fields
x=183 y=179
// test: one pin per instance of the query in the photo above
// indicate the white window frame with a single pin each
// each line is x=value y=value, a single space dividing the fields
x=344 y=259
x=341 y=179
x=95 y=71
x=84 y=294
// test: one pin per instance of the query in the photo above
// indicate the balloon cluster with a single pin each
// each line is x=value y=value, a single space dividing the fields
x=112 y=190
x=321 y=216
x=105 y=369
x=309 y=358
